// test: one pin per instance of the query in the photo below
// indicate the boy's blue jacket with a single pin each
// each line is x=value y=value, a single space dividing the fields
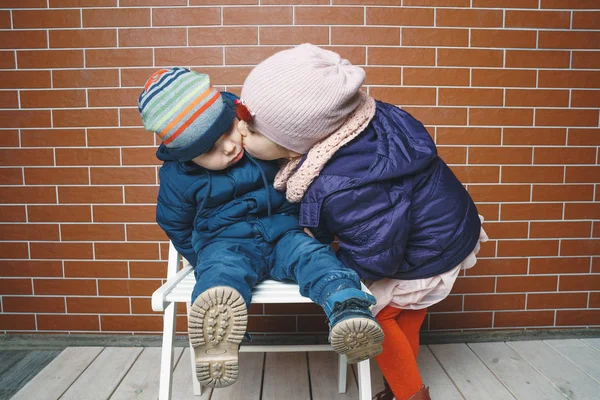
x=395 y=206
x=195 y=205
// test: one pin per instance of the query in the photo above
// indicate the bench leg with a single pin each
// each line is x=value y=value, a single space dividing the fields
x=195 y=383
x=342 y=373
x=364 y=380
x=166 y=360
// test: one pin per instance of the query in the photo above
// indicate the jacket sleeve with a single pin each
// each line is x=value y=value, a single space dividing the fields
x=372 y=229
x=175 y=214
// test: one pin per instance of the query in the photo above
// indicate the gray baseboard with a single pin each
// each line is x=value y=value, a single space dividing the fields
x=52 y=342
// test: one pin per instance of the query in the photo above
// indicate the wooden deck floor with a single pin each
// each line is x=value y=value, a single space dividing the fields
x=527 y=370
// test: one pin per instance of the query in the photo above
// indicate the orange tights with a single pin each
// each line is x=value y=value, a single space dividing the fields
x=398 y=362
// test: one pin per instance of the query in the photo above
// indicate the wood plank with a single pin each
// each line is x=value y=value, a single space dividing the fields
x=570 y=379
x=104 y=374
x=286 y=377
x=579 y=353
x=24 y=370
x=10 y=357
x=594 y=342
x=142 y=380
x=516 y=373
x=468 y=373
x=433 y=375
x=182 y=380
x=59 y=374
x=323 y=368
x=249 y=383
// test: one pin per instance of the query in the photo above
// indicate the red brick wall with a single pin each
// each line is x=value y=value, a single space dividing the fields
x=510 y=95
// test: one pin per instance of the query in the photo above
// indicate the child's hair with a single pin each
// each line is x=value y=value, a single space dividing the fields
x=187 y=113
x=300 y=96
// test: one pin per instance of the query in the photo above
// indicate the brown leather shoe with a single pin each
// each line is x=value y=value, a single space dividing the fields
x=385 y=394
x=422 y=394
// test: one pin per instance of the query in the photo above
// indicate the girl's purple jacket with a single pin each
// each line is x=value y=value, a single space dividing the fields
x=395 y=206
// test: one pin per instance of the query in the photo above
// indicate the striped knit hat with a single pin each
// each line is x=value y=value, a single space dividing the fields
x=187 y=113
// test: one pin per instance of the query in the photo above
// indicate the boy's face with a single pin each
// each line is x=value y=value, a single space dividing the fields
x=261 y=147
x=227 y=151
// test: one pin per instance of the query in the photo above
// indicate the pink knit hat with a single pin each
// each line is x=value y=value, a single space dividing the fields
x=300 y=96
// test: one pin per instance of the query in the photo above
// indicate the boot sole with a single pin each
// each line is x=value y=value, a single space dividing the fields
x=358 y=338
x=216 y=327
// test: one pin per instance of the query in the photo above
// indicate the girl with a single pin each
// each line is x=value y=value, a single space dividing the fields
x=368 y=173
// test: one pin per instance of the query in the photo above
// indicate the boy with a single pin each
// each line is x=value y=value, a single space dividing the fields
x=220 y=210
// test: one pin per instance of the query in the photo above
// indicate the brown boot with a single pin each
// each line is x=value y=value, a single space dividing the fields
x=422 y=394
x=385 y=394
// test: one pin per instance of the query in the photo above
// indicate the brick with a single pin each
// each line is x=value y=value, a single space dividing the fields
x=29 y=232
x=96 y=269
x=269 y=323
x=453 y=155
x=582 y=210
x=537 y=98
x=594 y=300
x=85 y=117
x=499 y=193
x=335 y=16
x=465 y=320
x=144 y=306
x=9 y=99
x=534 y=136
x=52 y=137
x=33 y=304
x=127 y=287
x=578 y=317
x=579 y=282
x=500 y=155
x=123 y=251
x=83 y=3
x=523 y=318
x=560 y=229
x=449 y=304
x=549 y=117
x=570 y=79
x=561 y=265
x=436 y=3
x=557 y=300
x=11 y=176
x=226 y=75
x=494 y=302
x=23 y=195
x=17 y=322
x=469 y=18
x=520 y=248
x=585 y=98
x=538 y=19
x=473 y=285
x=12 y=213
x=471 y=97
x=86 y=157
x=23 y=40
x=365 y=36
x=468 y=57
x=477 y=174
x=61 y=250
x=92 y=232
x=122 y=175
x=28 y=19
x=405 y=95
x=503 y=38
x=439 y=115
x=507 y=230
x=257 y=16
x=124 y=213
x=53 y=98
x=526 y=284
x=293 y=35
x=113 y=97
x=189 y=16
x=15 y=286
x=50 y=59
x=468 y=135
x=59 y=213
x=7 y=60
x=531 y=211
x=488 y=249
x=569 y=40
x=401 y=56
x=131 y=323
x=436 y=76
x=501 y=116
x=68 y=322
x=568 y=4
x=5 y=19
x=85 y=78
x=136 y=77
x=141 y=194
x=386 y=76
x=140 y=156
x=145 y=233
x=118 y=57
x=505 y=3
x=127 y=137
x=565 y=155
x=537 y=59
x=589 y=247
x=223 y=36
x=532 y=174
x=583 y=174
x=65 y=287
x=13 y=250
x=356 y=55
x=295 y=2
x=309 y=324
x=396 y=16
x=435 y=37
x=503 y=78
x=129 y=117
x=54 y=176
x=25 y=119
x=24 y=80
x=188 y=56
x=81 y=38
x=98 y=305
x=97 y=18
x=9 y=138
x=151 y=269
x=586 y=59
x=152 y=37
x=563 y=193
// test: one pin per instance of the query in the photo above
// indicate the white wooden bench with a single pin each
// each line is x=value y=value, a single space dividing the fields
x=178 y=289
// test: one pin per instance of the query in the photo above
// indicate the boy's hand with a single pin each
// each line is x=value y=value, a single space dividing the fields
x=309 y=233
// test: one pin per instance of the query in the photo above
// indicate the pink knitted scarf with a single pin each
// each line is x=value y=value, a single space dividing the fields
x=295 y=181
